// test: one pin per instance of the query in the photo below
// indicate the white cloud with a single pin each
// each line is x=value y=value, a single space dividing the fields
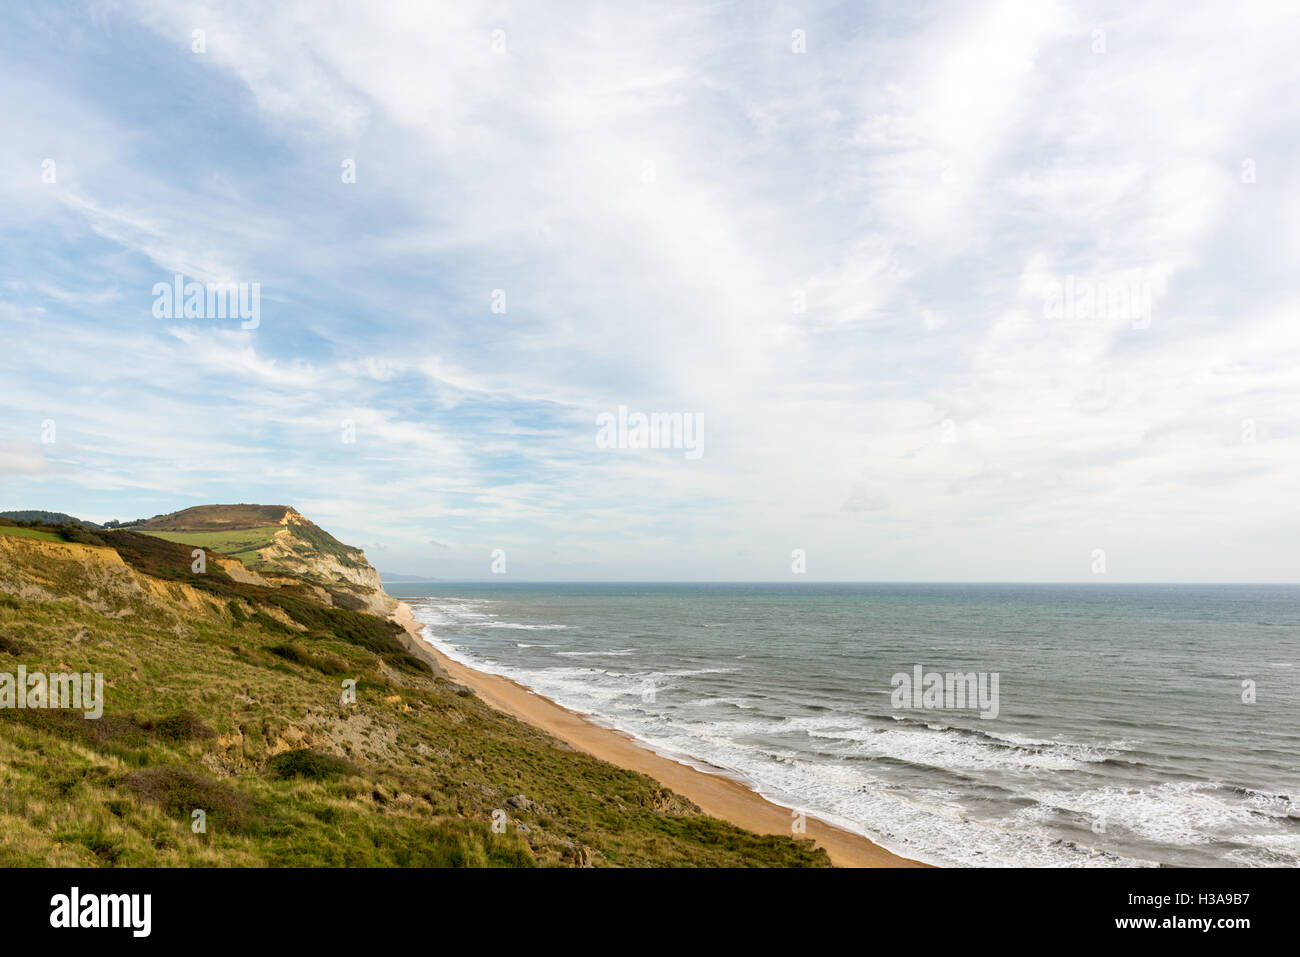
x=651 y=190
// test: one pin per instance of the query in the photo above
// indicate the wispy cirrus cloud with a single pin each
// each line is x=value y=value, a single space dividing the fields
x=840 y=258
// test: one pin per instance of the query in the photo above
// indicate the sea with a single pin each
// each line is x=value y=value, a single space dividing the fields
x=1103 y=725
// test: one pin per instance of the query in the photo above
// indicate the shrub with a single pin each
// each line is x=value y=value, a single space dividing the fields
x=179 y=792
x=271 y=624
x=78 y=534
x=182 y=726
x=11 y=646
x=306 y=763
x=108 y=730
x=324 y=662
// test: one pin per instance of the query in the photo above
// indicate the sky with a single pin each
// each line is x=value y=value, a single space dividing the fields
x=948 y=291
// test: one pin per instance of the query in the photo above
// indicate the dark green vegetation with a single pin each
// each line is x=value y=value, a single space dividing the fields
x=229 y=698
x=46 y=518
x=306 y=763
x=70 y=531
x=26 y=532
x=278 y=611
x=314 y=539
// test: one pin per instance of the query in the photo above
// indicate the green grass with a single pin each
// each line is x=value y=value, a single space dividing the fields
x=29 y=533
x=307 y=541
x=239 y=543
x=210 y=705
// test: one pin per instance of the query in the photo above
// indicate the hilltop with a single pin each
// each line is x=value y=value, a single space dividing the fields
x=274 y=538
x=213 y=518
x=225 y=693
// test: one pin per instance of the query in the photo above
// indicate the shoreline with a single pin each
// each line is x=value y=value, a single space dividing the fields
x=716 y=794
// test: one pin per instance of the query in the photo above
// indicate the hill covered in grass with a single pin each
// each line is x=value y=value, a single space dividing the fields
x=272 y=538
x=225 y=693
x=216 y=518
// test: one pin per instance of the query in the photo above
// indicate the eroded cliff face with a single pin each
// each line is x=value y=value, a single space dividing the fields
x=302 y=548
x=270 y=546
x=39 y=571
x=98 y=578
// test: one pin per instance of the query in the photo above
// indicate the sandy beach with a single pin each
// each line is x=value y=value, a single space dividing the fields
x=716 y=794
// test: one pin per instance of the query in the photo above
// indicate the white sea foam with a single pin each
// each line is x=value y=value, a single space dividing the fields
x=743 y=703
x=597 y=654
x=953 y=807
x=518 y=626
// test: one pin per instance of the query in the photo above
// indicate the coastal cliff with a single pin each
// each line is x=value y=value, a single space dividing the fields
x=286 y=713
x=268 y=538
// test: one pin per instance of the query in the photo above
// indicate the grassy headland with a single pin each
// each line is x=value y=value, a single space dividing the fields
x=226 y=696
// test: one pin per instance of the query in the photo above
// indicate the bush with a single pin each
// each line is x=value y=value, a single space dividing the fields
x=11 y=646
x=306 y=763
x=324 y=662
x=180 y=792
x=182 y=726
x=271 y=624
x=78 y=534
x=110 y=729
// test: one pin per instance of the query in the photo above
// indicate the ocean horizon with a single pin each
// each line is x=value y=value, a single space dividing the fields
x=404 y=581
x=1107 y=724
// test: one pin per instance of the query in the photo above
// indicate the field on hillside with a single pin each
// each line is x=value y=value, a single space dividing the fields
x=29 y=533
x=240 y=543
x=228 y=700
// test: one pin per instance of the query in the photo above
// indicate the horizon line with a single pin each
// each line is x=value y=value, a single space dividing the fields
x=412 y=580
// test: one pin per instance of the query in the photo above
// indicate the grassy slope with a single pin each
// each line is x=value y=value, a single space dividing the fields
x=217 y=690
x=29 y=533
x=238 y=543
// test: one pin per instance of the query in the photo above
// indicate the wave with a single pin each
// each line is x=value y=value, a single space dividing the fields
x=744 y=704
x=914 y=783
x=597 y=654
x=517 y=626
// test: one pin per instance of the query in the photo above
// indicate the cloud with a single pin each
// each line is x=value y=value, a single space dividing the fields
x=839 y=258
x=23 y=458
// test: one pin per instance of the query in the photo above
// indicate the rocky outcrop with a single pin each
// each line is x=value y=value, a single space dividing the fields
x=304 y=549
